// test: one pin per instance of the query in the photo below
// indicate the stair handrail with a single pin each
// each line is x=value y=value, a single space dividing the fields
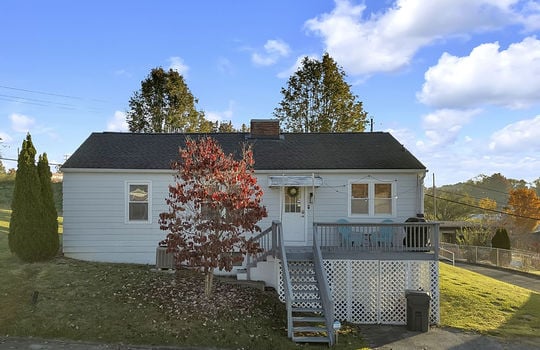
x=287 y=284
x=268 y=246
x=324 y=289
x=443 y=251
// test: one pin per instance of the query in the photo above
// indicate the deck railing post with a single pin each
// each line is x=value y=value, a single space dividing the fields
x=436 y=240
x=274 y=238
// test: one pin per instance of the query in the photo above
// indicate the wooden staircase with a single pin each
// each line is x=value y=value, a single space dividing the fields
x=310 y=309
x=308 y=319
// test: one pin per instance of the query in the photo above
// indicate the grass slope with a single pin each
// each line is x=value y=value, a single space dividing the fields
x=113 y=303
x=474 y=302
x=130 y=304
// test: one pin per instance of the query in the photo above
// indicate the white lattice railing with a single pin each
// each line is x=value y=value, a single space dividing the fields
x=390 y=237
x=373 y=291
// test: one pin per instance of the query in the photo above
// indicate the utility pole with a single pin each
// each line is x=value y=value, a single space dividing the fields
x=434 y=199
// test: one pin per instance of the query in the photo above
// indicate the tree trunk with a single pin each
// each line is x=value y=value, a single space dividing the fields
x=208 y=282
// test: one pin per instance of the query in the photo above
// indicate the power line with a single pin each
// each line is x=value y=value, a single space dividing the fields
x=15 y=160
x=485 y=209
x=41 y=92
x=465 y=195
x=19 y=98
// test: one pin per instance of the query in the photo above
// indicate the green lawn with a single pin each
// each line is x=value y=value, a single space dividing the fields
x=126 y=303
x=113 y=303
x=474 y=302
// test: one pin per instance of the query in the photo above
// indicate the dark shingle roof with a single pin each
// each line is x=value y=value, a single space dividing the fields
x=310 y=151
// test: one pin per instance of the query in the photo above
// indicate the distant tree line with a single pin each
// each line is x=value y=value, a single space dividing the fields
x=493 y=201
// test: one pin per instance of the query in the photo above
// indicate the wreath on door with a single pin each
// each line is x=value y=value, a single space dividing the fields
x=292 y=191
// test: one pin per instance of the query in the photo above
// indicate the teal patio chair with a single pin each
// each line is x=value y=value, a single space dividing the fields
x=386 y=234
x=345 y=233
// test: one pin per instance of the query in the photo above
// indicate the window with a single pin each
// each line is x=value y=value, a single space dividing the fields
x=138 y=206
x=359 y=199
x=372 y=199
x=383 y=199
x=293 y=204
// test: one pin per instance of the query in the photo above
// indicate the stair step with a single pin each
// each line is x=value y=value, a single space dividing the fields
x=301 y=267
x=308 y=329
x=307 y=300
x=305 y=283
x=306 y=295
x=307 y=309
x=310 y=339
x=309 y=319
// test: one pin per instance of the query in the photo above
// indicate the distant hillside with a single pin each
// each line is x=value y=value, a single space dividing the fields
x=459 y=201
x=6 y=193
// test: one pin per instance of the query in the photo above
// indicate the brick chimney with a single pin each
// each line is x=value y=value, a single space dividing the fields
x=264 y=128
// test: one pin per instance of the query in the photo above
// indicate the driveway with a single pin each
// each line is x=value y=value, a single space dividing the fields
x=517 y=278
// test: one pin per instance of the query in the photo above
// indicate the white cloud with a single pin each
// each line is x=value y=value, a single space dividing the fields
x=122 y=73
x=5 y=138
x=273 y=51
x=486 y=76
x=388 y=41
x=226 y=115
x=531 y=16
x=225 y=66
x=521 y=136
x=21 y=123
x=442 y=127
x=177 y=63
x=118 y=122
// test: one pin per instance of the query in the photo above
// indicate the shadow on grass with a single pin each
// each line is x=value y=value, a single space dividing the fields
x=525 y=321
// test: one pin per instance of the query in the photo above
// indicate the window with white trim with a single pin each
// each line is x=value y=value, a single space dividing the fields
x=371 y=198
x=138 y=202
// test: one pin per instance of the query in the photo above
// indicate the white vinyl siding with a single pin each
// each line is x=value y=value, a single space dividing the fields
x=95 y=217
x=95 y=214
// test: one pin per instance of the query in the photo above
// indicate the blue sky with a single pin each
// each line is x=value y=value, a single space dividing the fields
x=456 y=81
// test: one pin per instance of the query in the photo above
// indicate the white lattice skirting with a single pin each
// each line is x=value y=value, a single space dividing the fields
x=373 y=291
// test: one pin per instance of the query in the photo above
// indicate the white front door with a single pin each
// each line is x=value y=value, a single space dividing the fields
x=293 y=217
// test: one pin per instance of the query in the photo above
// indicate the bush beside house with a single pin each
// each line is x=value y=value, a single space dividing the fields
x=33 y=236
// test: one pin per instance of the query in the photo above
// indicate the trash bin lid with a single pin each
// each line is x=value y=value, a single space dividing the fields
x=413 y=293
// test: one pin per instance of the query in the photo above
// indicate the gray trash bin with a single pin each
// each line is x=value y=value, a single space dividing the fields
x=417 y=310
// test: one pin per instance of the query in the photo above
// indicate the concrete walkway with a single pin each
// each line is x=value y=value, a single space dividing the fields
x=14 y=343
x=397 y=337
x=517 y=278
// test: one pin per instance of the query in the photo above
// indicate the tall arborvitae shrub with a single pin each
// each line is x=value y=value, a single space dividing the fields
x=27 y=237
x=50 y=219
x=501 y=241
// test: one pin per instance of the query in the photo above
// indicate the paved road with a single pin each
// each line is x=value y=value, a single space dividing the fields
x=14 y=343
x=531 y=282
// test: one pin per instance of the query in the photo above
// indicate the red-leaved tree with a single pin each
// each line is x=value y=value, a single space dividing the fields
x=214 y=201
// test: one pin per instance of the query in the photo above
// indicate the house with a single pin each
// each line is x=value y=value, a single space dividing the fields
x=351 y=195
